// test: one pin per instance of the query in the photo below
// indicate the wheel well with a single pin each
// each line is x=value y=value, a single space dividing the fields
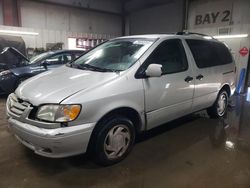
x=130 y=113
x=227 y=89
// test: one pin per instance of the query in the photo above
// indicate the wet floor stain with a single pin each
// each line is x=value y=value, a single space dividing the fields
x=194 y=151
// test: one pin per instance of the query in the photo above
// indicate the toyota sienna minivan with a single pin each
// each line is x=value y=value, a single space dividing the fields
x=101 y=101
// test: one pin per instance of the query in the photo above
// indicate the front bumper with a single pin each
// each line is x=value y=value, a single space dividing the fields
x=54 y=143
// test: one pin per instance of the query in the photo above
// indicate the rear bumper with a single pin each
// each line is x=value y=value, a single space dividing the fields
x=54 y=143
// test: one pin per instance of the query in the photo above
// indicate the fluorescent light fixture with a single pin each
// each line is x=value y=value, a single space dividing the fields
x=208 y=37
x=230 y=36
x=18 y=32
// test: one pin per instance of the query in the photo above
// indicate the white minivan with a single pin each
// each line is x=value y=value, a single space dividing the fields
x=101 y=101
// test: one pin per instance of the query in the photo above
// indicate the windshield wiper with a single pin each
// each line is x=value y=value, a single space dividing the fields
x=93 y=68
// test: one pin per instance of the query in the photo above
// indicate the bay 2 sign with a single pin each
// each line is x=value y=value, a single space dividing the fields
x=219 y=18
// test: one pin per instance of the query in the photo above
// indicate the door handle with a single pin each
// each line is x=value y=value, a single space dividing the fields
x=188 y=79
x=199 y=77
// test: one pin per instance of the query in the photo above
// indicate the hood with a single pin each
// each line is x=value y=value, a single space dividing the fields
x=28 y=69
x=56 y=85
x=15 y=52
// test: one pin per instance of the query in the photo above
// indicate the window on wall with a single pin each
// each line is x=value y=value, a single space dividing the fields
x=209 y=53
x=171 y=55
x=1 y=13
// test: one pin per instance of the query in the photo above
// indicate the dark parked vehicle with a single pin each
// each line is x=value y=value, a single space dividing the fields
x=9 y=59
x=13 y=74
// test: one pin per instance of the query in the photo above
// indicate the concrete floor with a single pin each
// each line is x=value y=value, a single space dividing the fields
x=191 y=152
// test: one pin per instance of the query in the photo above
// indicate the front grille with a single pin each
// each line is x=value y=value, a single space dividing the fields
x=16 y=105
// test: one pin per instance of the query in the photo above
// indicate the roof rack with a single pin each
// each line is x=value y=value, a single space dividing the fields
x=192 y=33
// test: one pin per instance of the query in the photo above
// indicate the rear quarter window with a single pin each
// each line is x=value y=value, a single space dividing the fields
x=209 y=53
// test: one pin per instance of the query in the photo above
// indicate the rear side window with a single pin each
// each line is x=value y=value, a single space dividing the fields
x=78 y=54
x=223 y=53
x=209 y=53
x=171 y=55
x=58 y=59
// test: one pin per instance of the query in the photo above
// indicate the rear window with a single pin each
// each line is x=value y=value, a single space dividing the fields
x=209 y=53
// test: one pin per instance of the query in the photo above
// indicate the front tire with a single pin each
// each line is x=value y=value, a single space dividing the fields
x=219 y=108
x=115 y=139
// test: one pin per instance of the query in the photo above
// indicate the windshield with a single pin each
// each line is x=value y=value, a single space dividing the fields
x=114 y=55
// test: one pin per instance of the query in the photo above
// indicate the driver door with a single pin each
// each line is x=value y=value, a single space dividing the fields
x=169 y=96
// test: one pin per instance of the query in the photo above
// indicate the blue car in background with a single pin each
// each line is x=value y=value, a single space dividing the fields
x=11 y=75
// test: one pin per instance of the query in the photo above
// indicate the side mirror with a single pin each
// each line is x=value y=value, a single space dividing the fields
x=154 y=70
x=45 y=64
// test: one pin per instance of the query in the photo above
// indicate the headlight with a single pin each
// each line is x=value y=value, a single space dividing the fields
x=5 y=72
x=58 y=113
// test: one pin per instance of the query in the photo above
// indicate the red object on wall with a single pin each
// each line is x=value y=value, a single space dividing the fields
x=11 y=12
x=243 y=51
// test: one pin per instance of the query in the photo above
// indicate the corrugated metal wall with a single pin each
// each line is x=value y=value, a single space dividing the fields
x=55 y=23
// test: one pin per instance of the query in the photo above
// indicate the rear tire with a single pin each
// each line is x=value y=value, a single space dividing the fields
x=114 y=140
x=219 y=108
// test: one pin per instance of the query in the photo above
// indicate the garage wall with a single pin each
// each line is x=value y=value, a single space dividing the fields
x=52 y=36
x=105 y=5
x=56 y=17
x=167 y=17
x=239 y=17
x=238 y=23
x=56 y=23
